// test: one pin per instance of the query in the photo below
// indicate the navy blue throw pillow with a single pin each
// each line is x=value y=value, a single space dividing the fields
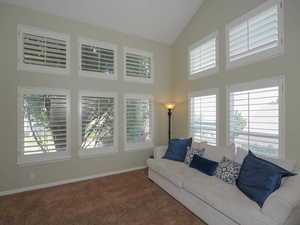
x=204 y=165
x=177 y=149
x=259 y=178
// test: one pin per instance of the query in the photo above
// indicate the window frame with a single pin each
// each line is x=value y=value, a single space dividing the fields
x=104 y=150
x=210 y=71
x=207 y=92
x=21 y=66
x=142 y=53
x=23 y=160
x=257 y=84
x=144 y=145
x=99 y=44
x=265 y=54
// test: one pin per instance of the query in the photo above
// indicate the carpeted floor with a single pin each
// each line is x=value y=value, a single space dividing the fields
x=124 y=199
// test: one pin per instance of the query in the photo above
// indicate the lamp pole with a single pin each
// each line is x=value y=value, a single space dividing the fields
x=169 y=114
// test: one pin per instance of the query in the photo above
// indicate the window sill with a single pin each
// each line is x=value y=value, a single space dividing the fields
x=139 y=147
x=86 y=74
x=97 y=153
x=26 y=161
x=204 y=73
x=138 y=80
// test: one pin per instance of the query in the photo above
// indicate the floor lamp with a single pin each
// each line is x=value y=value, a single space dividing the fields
x=170 y=107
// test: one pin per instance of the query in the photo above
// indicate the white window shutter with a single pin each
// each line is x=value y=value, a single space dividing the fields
x=203 y=117
x=258 y=32
x=43 y=125
x=97 y=121
x=255 y=122
x=98 y=59
x=139 y=112
x=138 y=65
x=203 y=55
x=42 y=51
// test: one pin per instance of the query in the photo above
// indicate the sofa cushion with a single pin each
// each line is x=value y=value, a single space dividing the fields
x=171 y=170
x=204 y=165
x=217 y=153
x=259 y=178
x=284 y=201
x=289 y=165
x=191 y=152
x=225 y=198
x=228 y=170
x=177 y=149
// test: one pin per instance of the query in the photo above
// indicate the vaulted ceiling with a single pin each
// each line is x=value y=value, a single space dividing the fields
x=159 y=20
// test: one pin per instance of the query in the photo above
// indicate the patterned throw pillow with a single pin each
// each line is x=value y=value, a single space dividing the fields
x=228 y=170
x=191 y=152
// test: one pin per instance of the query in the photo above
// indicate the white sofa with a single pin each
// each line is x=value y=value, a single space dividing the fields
x=219 y=203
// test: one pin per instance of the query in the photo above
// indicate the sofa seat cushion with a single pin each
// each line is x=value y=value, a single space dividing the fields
x=171 y=170
x=225 y=198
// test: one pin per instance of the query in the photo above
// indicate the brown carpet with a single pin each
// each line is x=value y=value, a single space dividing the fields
x=124 y=199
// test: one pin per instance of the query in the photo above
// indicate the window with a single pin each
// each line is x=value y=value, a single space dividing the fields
x=203 y=116
x=42 y=51
x=203 y=57
x=44 y=126
x=256 y=35
x=138 y=65
x=98 y=59
x=98 y=120
x=138 y=122
x=256 y=117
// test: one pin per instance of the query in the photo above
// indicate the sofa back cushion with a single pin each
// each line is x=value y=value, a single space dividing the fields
x=217 y=153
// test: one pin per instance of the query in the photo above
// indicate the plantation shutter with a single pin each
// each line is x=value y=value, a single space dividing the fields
x=256 y=34
x=203 y=119
x=44 y=51
x=97 y=122
x=203 y=57
x=138 y=65
x=254 y=120
x=97 y=59
x=44 y=124
x=138 y=120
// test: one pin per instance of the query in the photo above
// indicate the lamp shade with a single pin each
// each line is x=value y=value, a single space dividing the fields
x=170 y=105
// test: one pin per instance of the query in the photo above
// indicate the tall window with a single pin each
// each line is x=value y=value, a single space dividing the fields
x=43 y=51
x=98 y=122
x=98 y=59
x=256 y=117
x=43 y=125
x=203 y=57
x=256 y=35
x=203 y=116
x=138 y=122
x=138 y=65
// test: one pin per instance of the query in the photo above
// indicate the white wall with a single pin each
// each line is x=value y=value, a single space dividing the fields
x=214 y=15
x=13 y=176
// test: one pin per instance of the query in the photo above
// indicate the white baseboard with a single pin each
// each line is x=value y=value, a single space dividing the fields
x=52 y=184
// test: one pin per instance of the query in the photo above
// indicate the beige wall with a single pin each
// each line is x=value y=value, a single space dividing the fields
x=13 y=176
x=214 y=15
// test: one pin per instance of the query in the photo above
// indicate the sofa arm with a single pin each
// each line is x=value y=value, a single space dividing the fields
x=282 y=202
x=159 y=151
